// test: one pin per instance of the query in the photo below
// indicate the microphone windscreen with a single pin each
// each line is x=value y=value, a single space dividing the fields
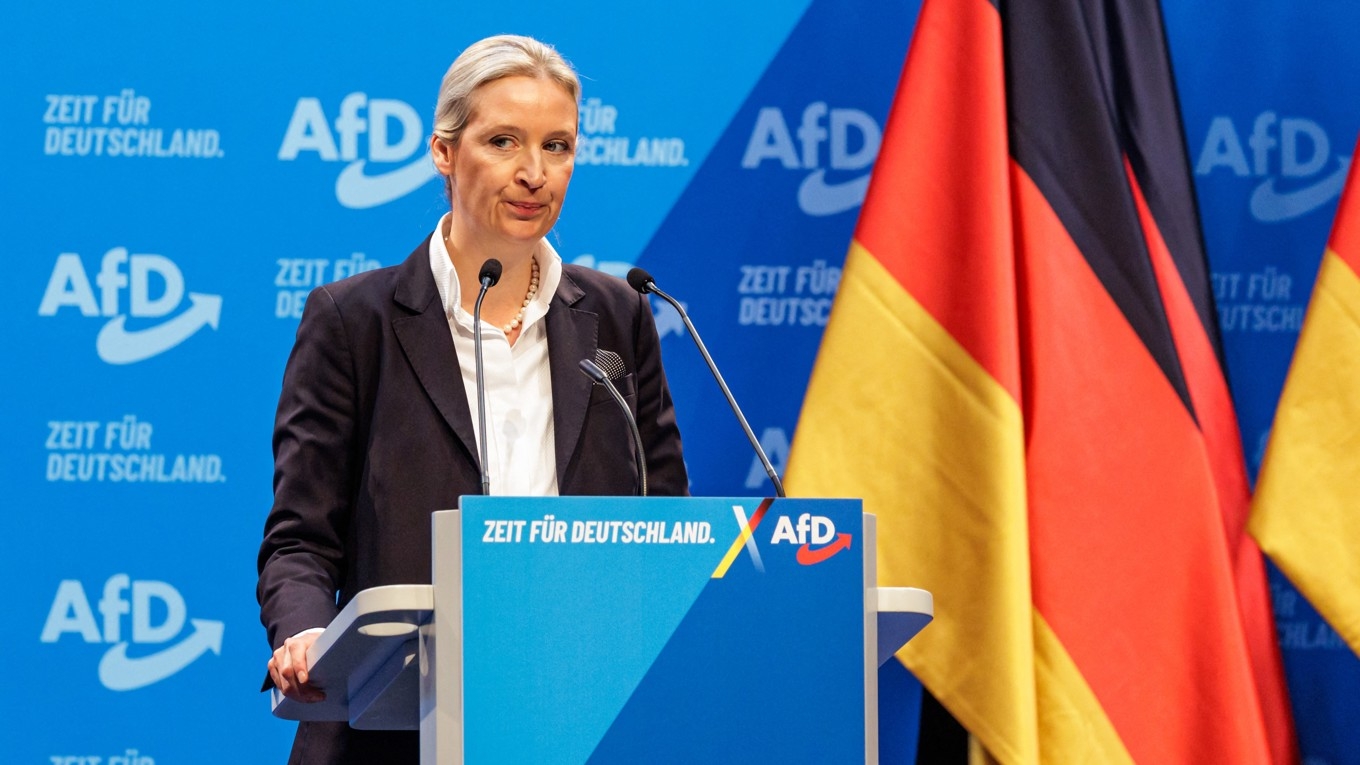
x=490 y=273
x=640 y=280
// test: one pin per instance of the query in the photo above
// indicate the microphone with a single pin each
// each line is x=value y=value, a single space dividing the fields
x=593 y=371
x=642 y=281
x=488 y=276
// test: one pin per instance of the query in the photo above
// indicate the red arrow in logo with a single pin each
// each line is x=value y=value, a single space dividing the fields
x=809 y=557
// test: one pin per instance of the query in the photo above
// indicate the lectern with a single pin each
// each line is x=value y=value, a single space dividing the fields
x=624 y=630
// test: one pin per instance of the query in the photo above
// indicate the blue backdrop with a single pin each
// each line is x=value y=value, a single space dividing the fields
x=180 y=175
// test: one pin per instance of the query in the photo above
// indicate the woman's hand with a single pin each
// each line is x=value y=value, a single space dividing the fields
x=288 y=668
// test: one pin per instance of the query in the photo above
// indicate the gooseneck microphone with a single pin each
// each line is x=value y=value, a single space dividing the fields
x=488 y=276
x=593 y=371
x=642 y=281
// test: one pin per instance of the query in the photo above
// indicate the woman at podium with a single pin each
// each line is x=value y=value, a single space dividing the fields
x=377 y=421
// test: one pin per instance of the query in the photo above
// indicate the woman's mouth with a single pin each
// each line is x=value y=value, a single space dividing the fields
x=526 y=208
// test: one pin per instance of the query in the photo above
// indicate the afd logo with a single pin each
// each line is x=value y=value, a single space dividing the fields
x=154 y=287
x=852 y=138
x=1291 y=155
x=807 y=531
x=156 y=613
x=394 y=134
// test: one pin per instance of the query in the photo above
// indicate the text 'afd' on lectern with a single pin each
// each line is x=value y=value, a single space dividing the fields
x=624 y=630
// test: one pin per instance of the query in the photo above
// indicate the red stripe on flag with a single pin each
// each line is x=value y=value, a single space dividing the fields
x=939 y=200
x=1223 y=448
x=1129 y=563
x=1345 y=238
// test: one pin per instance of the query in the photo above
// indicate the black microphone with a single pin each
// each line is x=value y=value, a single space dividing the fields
x=594 y=372
x=488 y=276
x=642 y=281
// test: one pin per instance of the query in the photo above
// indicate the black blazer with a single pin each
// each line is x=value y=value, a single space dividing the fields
x=373 y=433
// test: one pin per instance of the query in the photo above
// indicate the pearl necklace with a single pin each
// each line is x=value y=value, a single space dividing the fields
x=528 y=297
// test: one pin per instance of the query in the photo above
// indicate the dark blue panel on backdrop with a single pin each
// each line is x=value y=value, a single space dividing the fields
x=756 y=242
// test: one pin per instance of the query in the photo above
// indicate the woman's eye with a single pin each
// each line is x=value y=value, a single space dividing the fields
x=502 y=142
x=557 y=146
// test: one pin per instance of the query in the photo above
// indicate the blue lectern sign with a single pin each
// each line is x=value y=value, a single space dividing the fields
x=604 y=630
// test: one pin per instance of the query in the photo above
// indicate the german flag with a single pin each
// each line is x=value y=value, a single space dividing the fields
x=1305 y=513
x=1022 y=379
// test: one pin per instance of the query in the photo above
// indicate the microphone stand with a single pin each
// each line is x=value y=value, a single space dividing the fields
x=488 y=276
x=643 y=282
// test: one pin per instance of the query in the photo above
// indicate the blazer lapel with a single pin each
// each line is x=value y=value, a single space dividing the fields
x=425 y=338
x=572 y=335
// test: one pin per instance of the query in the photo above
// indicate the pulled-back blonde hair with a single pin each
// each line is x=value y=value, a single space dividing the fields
x=491 y=59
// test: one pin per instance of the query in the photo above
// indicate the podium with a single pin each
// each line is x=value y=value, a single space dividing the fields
x=620 y=630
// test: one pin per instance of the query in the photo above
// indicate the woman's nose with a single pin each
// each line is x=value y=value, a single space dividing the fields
x=531 y=173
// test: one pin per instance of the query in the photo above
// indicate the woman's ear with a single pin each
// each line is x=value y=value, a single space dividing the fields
x=442 y=152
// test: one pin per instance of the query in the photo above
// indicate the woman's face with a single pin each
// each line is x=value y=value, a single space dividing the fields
x=511 y=165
